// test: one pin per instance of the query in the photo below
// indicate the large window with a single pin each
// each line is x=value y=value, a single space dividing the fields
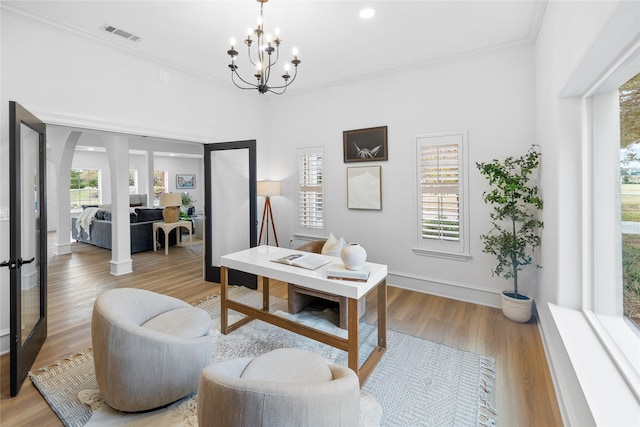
x=612 y=206
x=441 y=196
x=133 y=181
x=85 y=188
x=160 y=185
x=630 y=196
x=310 y=189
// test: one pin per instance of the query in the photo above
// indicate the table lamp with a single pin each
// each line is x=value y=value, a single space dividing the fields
x=171 y=203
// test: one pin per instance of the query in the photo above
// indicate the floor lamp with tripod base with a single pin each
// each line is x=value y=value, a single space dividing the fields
x=268 y=189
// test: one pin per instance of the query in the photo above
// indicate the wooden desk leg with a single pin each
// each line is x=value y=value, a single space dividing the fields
x=353 y=338
x=265 y=293
x=382 y=314
x=190 y=241
x=223 y=300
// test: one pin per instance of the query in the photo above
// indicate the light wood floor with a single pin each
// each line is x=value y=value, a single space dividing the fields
x=524 y=391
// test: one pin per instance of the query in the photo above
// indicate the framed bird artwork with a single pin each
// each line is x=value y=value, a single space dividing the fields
x=365 y=145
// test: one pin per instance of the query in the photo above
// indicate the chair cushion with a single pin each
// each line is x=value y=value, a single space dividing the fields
x=333 y=246
x=288 y=365
x=185 y=322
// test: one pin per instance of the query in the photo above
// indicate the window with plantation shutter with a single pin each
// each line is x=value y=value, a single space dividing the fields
x=441 y=197
x=310 y=189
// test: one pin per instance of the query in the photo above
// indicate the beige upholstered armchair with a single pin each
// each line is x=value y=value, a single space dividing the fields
x=149 y=349
x=285 y=387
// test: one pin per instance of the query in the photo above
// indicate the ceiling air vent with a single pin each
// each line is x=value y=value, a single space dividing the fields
x=125 y=34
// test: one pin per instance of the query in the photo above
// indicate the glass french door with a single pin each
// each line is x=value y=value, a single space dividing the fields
x=28 y=242
x=230 y=206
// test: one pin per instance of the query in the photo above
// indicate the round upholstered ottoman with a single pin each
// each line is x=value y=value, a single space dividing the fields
x=148 y=349
x=285 y=387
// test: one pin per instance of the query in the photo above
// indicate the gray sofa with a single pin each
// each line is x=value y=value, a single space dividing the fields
x=141 y=227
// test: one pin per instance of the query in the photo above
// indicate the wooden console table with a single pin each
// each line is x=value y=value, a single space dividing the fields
x=258 y=261
x=167 y=227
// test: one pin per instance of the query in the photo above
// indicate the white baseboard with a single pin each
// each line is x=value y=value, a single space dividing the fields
x=4 y=341
x=121 y=267
x=448 y=289
x=62 y=249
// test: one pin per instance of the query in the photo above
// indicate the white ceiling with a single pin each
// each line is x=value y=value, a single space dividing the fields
x=335 y=44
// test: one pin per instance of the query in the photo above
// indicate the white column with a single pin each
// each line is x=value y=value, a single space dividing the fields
x=118 y=154
x=150 y=169
x=63 y=144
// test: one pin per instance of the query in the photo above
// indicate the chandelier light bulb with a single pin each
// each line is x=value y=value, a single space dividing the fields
x=259 y=66
x=367 y=13
x=277 y=31
x=295 y=51
x=232 y=42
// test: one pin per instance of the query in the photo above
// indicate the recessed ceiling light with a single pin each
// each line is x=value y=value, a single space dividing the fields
x=367 y=13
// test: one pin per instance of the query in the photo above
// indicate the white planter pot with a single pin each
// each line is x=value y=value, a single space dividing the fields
x=353 y=256
x=518 y=310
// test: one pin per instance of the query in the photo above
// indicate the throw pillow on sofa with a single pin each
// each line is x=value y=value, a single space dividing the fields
x=149 y=214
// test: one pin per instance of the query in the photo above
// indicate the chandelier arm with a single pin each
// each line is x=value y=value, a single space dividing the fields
x=288 y=81
x=278 y=93
x=249 y=55
x=252 y=86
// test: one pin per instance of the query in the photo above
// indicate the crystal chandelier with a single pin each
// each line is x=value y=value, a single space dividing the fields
x=264 y=59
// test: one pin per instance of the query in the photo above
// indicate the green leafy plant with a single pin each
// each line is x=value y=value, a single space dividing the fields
x=187 y=201
x=515 y=225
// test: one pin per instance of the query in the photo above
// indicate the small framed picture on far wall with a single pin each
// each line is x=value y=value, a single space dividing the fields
x=185 y=181
x=365 y=145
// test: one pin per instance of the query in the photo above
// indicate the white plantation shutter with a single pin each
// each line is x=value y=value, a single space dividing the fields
x=311 y=189
x=442 y=218
x=440 y=173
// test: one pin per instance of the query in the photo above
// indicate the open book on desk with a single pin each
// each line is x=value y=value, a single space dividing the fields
x=307 y=260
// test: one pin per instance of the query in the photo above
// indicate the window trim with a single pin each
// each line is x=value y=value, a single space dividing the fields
x=460 y=250
x=307 y=231
x=606 y=321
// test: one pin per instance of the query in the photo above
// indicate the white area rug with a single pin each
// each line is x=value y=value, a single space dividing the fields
x=417 y=382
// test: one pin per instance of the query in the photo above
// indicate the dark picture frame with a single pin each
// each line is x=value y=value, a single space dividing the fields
x=185 y=181
x=365 y=145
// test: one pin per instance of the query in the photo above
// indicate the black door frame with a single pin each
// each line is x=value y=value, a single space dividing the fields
x=23 y=356
x=212 y=273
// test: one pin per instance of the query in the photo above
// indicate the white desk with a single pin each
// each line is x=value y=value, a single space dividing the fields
x=167 y=227
x=258 y=261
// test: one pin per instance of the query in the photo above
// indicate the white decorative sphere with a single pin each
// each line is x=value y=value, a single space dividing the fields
x=353 y=256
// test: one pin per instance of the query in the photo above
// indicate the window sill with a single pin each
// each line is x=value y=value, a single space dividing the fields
x=596 y=372
x=622 y=345
x=458 y=256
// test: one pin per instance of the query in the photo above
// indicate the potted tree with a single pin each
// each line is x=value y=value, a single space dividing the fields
x=514 y=234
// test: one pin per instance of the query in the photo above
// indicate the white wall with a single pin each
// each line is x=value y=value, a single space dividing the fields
x=177 y=165
x=577 y=43
x=68 y=80
x=489 y=95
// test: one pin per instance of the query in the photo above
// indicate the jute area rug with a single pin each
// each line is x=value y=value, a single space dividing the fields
x=417 y=383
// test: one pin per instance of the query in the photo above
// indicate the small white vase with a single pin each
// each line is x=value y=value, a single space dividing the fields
x=353 y=256
x=518 y=310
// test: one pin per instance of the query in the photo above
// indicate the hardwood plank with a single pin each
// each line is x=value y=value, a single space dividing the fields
x=524 y=390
